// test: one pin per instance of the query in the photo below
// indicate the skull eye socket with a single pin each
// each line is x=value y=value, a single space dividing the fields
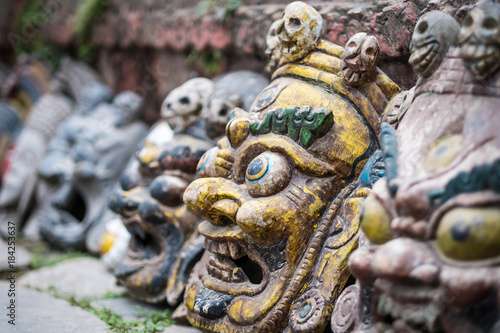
x=422 y=27
x=468 y=21
x=352 y=45
x=370 y=52
x=294 y=22
x=490 y=23
x=224 y=110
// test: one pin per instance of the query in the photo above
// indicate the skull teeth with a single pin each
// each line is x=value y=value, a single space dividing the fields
x=423 y=55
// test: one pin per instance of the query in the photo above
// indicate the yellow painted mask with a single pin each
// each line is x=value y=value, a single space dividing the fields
x=282 y=215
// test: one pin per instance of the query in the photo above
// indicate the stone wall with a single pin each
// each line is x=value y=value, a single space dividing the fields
x=144 y=45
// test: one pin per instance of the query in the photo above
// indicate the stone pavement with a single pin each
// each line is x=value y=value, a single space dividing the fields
x=81 y=277
x=22 y=256
x=38 y=312
x=84 y=281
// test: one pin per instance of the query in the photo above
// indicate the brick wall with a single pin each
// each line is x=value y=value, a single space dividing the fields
x=143 y=45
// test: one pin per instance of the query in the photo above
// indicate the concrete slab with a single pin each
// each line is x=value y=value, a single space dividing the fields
x=81 y=277
x=37 y=312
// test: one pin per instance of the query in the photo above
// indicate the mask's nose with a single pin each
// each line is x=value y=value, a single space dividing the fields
x=123 y=205
x=215 y=199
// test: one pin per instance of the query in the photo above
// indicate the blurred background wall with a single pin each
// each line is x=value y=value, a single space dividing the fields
x=152 y=46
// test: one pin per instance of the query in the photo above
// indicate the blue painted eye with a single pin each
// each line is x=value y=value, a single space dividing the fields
x=203 y=161
x=267 y=174
x=258 y=168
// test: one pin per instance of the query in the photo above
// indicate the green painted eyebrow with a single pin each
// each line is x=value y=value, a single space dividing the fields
x=302 y=124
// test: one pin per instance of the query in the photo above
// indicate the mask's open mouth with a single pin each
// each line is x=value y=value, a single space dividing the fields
x=230 y=263
x=351 y=75
x=231 y=269
x=73 y=208
x=142 y=243
x=401 y=309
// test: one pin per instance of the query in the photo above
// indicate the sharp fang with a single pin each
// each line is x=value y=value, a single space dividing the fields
x=235 y=250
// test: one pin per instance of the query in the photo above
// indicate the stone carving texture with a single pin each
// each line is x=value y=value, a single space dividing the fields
x=83 y=161
x=49 y=111
x=164 y=243
x=433 y=260
x=281 y=198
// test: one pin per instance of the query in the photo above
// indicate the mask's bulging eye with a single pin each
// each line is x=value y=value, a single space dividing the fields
x=470 y=233
x=375 y=221
x=203 y=161
x=258 y=168
x=267 y=174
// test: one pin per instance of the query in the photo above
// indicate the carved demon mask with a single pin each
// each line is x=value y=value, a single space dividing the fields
x=433 y=264
x=83 y=162
x=434 y=33
x=299 y=30
x=480 y=40
x=283 y=206
x=163 y=247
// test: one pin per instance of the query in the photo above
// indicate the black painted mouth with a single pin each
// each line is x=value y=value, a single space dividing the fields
x=143 y=242
x=73 y=206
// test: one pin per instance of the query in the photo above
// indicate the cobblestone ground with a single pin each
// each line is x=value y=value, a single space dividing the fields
x=48 y=291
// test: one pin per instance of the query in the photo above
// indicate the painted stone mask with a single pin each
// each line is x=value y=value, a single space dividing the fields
x=83 y=162
x=360 y=58
x=434 y=33
x=284 y=179
x=480 y=40
x=433 y=222
x=164 y=244
x=299 y=30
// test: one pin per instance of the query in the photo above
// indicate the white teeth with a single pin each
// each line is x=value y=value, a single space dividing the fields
x=424 y=314
x=220 y=265
x=235 y=250
x=223 y=249
x=228 y=249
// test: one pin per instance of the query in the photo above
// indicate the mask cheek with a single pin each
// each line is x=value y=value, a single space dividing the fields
x=267 y=220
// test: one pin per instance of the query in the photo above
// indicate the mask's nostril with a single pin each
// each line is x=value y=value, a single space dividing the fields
x=279 y=29
x=225 y=211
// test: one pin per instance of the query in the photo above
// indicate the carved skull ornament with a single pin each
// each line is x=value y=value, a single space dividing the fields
x=434 y=33
x=360 y=58
x=299 y=30
x=183 y=105
x=480 y=40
